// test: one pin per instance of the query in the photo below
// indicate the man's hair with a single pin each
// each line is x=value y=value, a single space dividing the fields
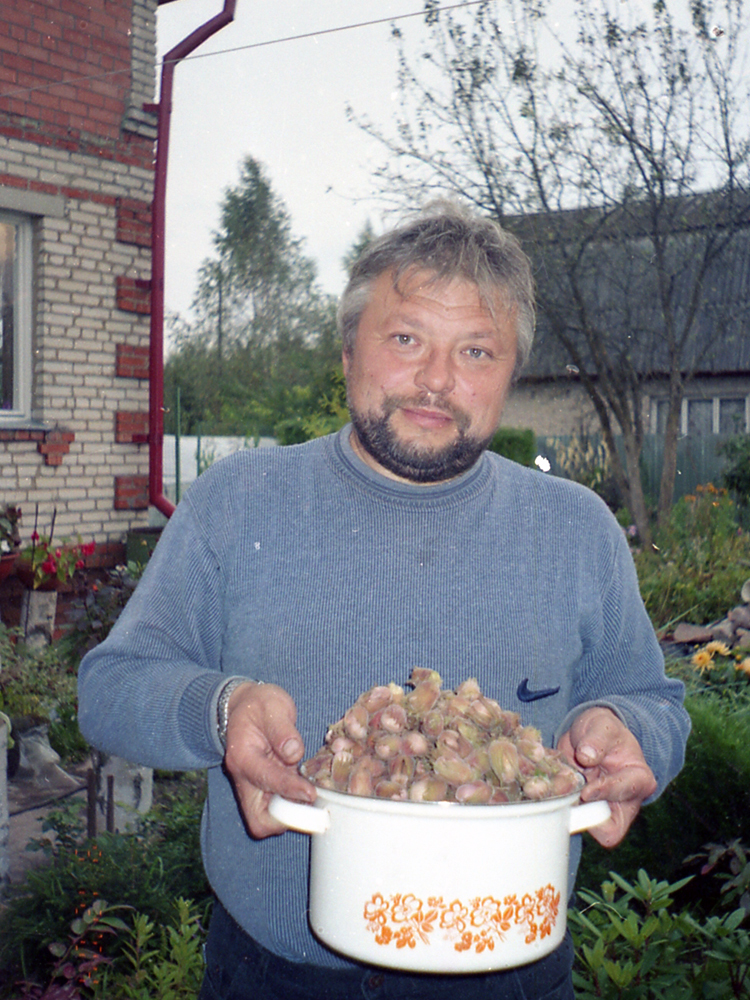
x=450 y=242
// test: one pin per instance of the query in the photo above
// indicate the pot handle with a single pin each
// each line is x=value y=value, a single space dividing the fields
x=297 y=816
x=589 y=814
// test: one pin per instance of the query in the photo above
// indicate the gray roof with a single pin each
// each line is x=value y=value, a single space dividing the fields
x=618 y=281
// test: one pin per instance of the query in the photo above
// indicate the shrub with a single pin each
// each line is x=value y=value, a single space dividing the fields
x=699 y=561
x=144 y=870
x=708 y=801
x=635 y=944
x=517 y=444
x=736 y=474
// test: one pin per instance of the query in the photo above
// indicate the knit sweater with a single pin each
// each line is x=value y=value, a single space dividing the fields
x=303 y=567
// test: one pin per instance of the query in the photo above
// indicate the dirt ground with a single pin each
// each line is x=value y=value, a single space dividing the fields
x=29 y=802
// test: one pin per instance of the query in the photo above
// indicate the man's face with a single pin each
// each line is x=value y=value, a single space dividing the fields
x=428 y=377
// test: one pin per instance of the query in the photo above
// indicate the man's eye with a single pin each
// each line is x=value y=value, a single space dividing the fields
x=404 y=338
x=476 y=352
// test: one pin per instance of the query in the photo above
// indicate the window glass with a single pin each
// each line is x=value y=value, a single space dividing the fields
x=15 y=317
x=732 y=416
x=7 y=298
x=700 y=417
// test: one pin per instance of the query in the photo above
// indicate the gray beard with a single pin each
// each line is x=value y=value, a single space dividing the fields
x=409 y=461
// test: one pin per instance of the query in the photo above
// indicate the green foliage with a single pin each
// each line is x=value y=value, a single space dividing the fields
x=517 y=444
x=144 y=870
x=699 y=562
x=327 y=414
x=709 y=801
x=635 y=945
x=736 y=474
x=264 y=339
x=167 y=963
x=33 y=682
x=78 y=961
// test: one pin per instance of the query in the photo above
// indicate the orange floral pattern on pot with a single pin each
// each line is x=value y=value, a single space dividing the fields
x=478 y=924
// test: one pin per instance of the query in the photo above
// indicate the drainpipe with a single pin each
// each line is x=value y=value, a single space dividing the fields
x=156 y=350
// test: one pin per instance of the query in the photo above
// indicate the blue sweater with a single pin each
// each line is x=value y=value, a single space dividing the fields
x=304 y=567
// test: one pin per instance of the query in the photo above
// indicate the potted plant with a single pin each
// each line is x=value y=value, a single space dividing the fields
x=10 y=538
x=45 y=565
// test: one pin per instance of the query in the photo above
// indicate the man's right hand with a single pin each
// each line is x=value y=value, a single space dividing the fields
x=263 y=750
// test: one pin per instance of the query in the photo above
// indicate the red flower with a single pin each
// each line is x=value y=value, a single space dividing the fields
x=80 y=564
x=88 y=548
x=49 y=566
x=35 y=536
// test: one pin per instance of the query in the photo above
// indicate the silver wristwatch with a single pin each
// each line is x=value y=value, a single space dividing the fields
x=222 y=707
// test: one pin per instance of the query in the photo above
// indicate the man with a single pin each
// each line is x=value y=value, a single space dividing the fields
x=326 y=568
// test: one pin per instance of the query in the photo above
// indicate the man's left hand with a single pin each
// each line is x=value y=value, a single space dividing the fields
x=614 y=766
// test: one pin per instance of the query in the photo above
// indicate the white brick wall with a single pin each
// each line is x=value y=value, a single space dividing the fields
x=76 y=327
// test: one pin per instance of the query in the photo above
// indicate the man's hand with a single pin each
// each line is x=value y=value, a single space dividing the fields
x=615 y=768
x=263 y=750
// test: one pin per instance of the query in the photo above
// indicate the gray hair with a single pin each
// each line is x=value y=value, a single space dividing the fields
x=450 y=242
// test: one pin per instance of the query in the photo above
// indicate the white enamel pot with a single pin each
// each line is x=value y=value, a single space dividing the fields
x=439 y=886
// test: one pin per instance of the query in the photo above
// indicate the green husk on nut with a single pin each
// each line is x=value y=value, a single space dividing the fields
x=430 y=745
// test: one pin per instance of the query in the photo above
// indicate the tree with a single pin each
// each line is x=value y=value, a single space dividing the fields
x=598 y=149
x=263 y=342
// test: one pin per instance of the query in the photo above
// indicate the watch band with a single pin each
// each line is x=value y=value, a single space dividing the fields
x=222 y=706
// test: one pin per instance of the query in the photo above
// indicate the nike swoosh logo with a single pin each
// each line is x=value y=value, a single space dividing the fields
x=524 y=694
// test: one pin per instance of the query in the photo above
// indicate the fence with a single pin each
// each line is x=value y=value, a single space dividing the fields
x=698 y=459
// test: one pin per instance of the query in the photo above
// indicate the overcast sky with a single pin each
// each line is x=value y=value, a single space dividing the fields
x=283 y=104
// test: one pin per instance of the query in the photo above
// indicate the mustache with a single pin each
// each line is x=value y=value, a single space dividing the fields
x=433 y=401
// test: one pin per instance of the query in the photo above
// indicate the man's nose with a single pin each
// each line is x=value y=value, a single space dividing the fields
x=436 y=373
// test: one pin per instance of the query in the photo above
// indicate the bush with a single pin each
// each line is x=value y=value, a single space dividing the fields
x=517 y=444
x=736 y=475
x=700 y=560
x=708 y=801
x=638 y=945
x=144 y=870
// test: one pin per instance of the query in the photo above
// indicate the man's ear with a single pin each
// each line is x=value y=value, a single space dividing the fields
x=345 y=362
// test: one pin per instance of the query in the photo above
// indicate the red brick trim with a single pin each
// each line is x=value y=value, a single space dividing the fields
x=131 y=492
x=131 y=361
x=52 y=445
x=56 y=444
x=134 y=222
x=133 y=295
x=131 y=427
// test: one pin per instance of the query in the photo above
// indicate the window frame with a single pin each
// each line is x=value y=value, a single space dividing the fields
x=23 y=295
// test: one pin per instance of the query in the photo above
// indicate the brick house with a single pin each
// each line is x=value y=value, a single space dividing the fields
x=76 y=186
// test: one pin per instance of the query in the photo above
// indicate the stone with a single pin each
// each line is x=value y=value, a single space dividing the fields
x=38 y=612
x=740 y=616
x=723 y=631
x=691 y=633
x=132 y=791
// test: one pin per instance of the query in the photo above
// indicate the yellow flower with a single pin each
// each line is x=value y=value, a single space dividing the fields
x=702 y=661
x=744 y=666
x=716 y=648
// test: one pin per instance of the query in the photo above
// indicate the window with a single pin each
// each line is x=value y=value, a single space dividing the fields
x=701 y=417
x=15 y=317
x=732 y=416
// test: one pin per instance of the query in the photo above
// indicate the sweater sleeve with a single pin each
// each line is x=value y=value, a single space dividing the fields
x=148 y=693
x=623 y=667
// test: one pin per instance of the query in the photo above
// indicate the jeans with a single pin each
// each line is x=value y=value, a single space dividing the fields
x=237 y=968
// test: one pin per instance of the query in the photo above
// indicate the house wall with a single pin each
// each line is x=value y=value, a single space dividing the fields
x=76 y=155
x=549 y=408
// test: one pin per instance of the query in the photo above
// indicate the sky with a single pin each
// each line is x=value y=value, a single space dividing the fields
x=285 y=105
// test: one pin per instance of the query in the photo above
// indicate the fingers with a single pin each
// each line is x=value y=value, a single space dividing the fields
x=614 y=767
x=263 y=750
x=613 y=830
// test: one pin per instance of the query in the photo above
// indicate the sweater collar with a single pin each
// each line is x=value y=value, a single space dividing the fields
x=461 y=485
